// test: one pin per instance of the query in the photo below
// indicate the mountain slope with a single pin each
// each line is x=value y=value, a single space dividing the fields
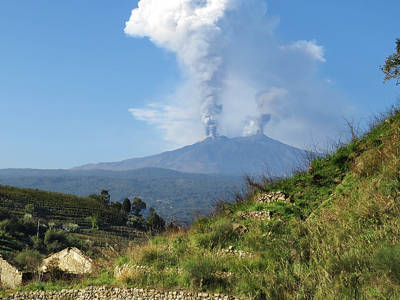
x=256 y=154
x=173 y=194
x=329 y=233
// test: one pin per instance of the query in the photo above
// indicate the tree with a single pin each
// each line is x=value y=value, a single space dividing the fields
x=392 y=65
x=117 y=206
x=29 y=209
x=95 y=197
x=137 y=206
x=106 y=197
x=127 y=206
x=155 y=222
x=94 y=220
x=103 y=198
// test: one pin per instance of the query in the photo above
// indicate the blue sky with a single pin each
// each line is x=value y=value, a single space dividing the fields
x=69 y=74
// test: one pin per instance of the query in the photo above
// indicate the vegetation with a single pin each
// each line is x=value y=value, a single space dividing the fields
x=334 y=237
x=174 y=195
x=127 y=205
x=331 y=232
x=137 y=206
x=392 y=65
x=35 y=223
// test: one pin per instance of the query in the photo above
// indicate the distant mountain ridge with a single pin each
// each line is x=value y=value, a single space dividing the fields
x=254 y=155
x=177 y=183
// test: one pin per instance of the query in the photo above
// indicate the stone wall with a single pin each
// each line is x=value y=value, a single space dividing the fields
x=10 y=277
x=117 y=293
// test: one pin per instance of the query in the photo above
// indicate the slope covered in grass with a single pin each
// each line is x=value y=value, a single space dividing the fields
x=331 y=233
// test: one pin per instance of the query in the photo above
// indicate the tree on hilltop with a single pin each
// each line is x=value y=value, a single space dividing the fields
x=392 y=65
x=106 y=197
x=103 y=198
x=127 y=206
x=155 y=222
x=137 y=206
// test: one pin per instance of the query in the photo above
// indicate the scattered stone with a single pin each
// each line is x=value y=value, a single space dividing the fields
x=233 y=252
x=272 y=197
x=259 y=215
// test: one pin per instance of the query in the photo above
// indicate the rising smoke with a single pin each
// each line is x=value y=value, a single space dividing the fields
x=239 y=79
x=191 y=29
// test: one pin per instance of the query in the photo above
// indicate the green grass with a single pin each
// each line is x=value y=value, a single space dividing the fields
x=340 y=239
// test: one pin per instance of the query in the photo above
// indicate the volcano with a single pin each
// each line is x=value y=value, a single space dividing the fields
x=252 y=155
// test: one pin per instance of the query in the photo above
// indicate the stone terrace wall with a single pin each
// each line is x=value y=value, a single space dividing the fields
x=116 y=293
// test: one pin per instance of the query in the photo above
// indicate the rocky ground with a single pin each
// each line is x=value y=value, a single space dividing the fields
x=116 y=293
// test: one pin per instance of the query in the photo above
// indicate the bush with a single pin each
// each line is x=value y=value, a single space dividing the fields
x=55 y=240
x=200 y=272
x=29 y=260
x=71 y=227
x=136 y=222
x=155 y=222
x=37 y=243
x=159 y=258
x=54 y=273
x=15 y=228
x=221 y=236
x=388 y=260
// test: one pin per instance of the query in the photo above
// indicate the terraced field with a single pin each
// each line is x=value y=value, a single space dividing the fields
x=59 y=209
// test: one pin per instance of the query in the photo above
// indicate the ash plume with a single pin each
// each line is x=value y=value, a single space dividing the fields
x=191 y=29
x=239 y=78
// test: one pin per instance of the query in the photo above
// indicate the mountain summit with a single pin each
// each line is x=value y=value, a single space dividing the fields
x=255 y=155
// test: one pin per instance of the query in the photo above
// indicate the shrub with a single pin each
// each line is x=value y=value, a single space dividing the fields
x=155 y=222
x=29 y=260
x=55 y=240
x=27 y=218
x=220 y=236
x=136 y=222
x=37 y=243
x=157 y=257
x=200 y=272
x=387 y=260
x=71 y=227
x=53 y=272
x=29 y=209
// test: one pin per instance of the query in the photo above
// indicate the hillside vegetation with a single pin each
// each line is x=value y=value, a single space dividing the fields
x=173 y=194
x=329 y=233
x=47 y=222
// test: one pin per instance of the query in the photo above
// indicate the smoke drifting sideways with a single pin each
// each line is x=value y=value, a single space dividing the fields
x=238 y=78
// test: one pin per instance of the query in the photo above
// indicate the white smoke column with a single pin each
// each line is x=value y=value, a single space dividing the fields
x=269 y=103
x=191 y=29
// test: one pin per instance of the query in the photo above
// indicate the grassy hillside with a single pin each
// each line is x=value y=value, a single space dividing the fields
x=329 y=233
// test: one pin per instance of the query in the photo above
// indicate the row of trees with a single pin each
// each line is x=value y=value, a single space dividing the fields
x=132 y=210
